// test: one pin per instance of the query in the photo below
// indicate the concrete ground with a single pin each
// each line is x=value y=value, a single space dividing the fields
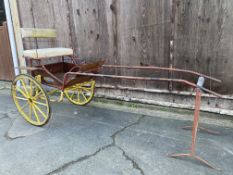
x=102 y=139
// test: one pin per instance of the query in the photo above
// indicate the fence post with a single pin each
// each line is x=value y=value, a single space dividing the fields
x=18 y=38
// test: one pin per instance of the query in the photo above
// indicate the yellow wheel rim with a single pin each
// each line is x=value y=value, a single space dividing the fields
x=81 y=94
x=31 y=100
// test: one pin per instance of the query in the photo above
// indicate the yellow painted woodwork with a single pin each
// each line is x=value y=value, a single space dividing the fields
x=47 y=53
x=31 y=100
x=81 y=94
x=38 y=33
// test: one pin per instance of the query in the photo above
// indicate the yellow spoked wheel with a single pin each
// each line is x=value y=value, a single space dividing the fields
x=31 y=100
x=81 y=94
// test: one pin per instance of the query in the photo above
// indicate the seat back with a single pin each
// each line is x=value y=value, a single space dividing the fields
x=38 y=33
x=46 y=51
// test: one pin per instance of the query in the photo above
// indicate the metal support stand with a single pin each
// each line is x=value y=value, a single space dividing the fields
x=192 y=154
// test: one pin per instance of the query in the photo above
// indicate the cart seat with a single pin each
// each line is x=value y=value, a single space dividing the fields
x=47 y=53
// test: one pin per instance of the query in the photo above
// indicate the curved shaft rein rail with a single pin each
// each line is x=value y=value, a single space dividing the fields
x=182 y=81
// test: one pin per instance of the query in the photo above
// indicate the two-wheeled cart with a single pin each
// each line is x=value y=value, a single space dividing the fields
x=77 y=81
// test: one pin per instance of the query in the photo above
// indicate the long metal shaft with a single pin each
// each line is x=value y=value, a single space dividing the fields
x=154 y=68
x=143 y=79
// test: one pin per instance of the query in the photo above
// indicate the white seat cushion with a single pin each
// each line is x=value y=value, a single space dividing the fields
x=47 y=53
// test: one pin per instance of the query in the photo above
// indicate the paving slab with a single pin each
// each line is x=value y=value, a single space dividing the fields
x=109 y=161
x=162 y=137
x=98 y=141
x=19 y=128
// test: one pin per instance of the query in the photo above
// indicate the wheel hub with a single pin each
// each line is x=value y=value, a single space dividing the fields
x=30 y=100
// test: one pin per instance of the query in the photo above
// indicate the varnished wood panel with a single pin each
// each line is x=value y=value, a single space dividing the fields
x=6 y=63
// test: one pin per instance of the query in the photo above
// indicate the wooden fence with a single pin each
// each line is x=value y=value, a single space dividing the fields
x=204 y=39
x=138 y=32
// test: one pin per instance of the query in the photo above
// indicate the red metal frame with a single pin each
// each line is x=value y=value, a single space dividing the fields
x=195 y=127
x=83 y=72
x=154 y=68
x=198 y=90
x=185 y=82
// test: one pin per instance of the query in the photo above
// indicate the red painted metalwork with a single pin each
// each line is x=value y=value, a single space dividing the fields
x=66 y=74
x=192 y=153
x=146 y=79
x=198 y=89
x=154 y=68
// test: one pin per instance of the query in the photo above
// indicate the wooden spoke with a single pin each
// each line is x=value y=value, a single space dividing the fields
x=37 y=96
x=38 y=109
x=36 y=114
x=83 y=96
x=39 y=103
x=20 y=91
x=72 y=95
x=31 y=89
x=24 y=87
x=78 y=97
x=21 y=98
